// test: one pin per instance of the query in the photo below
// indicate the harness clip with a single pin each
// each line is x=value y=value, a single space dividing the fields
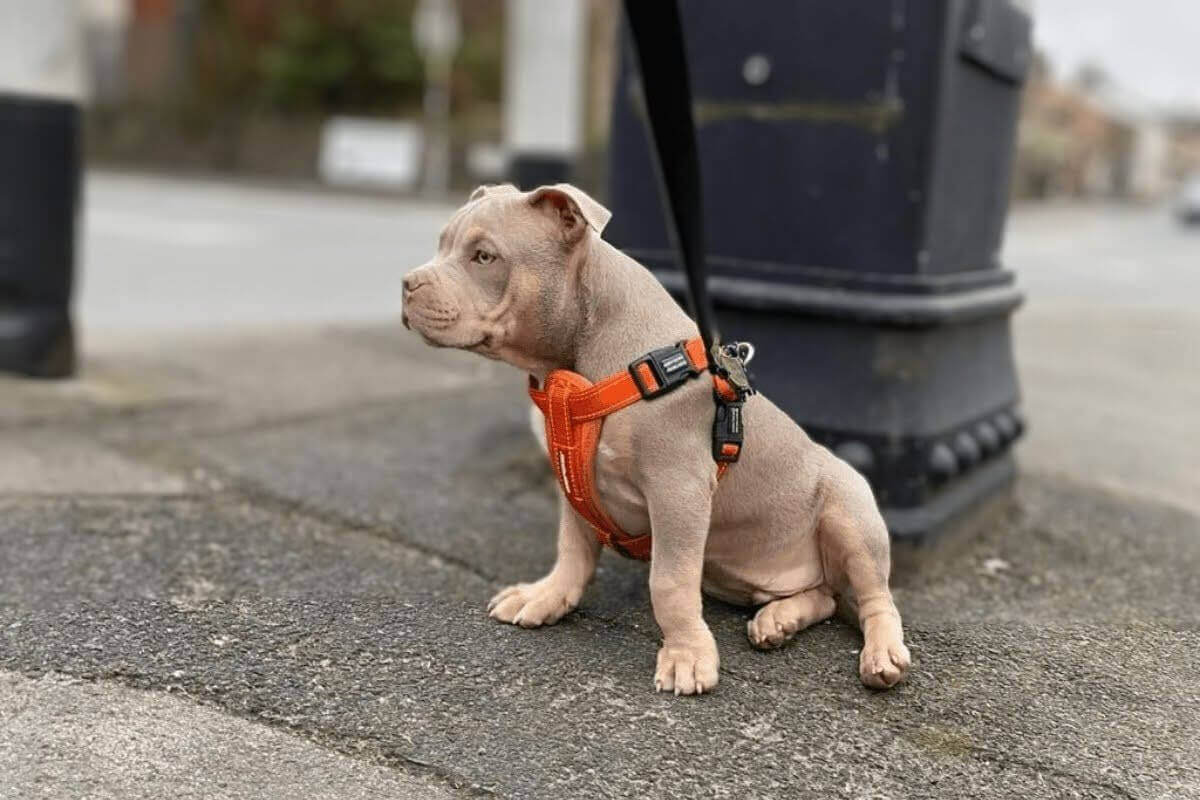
x=728 y=430
x=669 y=367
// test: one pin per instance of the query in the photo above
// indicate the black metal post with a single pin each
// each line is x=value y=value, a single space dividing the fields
x=39 y=197
x=856 y=161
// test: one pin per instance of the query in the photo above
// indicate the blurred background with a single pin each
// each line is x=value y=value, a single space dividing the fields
x=251 y=163
x=248 y=87
x=316 y=94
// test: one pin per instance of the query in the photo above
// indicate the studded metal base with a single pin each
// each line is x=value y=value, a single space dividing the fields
x=37 y=343
x=957 y=501
x=926 y=482
x=920 y=395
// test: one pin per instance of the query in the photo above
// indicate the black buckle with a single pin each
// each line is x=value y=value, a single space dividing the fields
x=728 y=427
x=670 y=366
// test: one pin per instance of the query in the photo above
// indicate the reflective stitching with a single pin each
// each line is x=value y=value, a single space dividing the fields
x=562 y=466
x=572 y=406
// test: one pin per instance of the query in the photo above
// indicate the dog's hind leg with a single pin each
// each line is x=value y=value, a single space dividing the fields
x=780 y=620
x=855 y=550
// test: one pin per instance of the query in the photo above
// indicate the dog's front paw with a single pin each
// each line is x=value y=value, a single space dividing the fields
x=688 y=668
x=531 y=605
x=882 y=665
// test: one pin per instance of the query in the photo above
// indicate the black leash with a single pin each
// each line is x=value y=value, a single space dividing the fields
x=658 y=40
x=667 y=94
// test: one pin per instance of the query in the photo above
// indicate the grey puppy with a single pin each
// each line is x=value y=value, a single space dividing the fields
x=524 y=277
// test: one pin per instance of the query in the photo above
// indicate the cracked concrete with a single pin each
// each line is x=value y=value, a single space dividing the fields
x=315 y=585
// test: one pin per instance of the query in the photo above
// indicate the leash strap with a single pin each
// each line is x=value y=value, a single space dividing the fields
x=658 y=42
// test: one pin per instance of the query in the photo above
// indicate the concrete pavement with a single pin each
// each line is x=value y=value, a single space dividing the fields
x=69 y=737
x=254 y=564
x=315 y=563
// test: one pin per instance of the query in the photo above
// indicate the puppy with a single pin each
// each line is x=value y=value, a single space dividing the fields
x=524 y=277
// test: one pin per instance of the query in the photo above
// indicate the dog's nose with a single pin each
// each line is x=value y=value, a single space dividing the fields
x=413 y=281
x=404 y=320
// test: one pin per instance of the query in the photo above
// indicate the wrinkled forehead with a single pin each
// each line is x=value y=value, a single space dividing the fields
x=490 y=212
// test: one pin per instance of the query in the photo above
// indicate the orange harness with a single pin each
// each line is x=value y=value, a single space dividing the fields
x=575 y=409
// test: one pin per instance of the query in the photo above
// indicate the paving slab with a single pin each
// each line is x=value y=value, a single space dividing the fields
x=170 y=384
x=65 y=738
x=243 y=379
x=105 y=387
x=41 y=461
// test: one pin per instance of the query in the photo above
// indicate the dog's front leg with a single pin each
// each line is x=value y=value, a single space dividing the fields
x=679 y=519
x=548 y=600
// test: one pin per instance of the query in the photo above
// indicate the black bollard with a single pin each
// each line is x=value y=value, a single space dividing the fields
x=40 y=165
x=856 y=161
x=42 y=80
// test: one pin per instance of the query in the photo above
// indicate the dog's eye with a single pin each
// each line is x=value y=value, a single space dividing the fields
x=483 y=257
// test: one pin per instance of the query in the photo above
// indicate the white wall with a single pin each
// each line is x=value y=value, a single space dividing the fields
x=41 y=48
x=543 y=76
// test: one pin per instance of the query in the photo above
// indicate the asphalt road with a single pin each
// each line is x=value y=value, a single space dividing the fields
x=1108 y=347
x=167 y=254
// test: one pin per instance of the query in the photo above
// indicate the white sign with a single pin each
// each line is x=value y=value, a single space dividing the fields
x=369 y=152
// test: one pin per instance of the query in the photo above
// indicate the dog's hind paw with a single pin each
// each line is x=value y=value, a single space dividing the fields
x=532 y=605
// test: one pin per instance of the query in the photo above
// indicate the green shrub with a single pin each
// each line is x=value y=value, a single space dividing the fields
x=358 y=58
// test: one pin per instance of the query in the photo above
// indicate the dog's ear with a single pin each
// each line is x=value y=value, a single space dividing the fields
x=485 y=189
x=572 y=207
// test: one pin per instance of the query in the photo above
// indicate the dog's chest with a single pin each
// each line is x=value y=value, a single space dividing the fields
x=619 y=496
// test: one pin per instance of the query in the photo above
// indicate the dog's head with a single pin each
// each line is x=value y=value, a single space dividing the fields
x=505 y=280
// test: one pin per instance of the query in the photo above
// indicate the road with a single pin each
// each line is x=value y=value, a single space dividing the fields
x=1108 y=347
x=1104 y=257
x=165 y=254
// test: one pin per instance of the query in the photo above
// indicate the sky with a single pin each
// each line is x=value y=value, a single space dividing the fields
x=1149 y=47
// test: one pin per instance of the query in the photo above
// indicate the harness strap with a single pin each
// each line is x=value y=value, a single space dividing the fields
x=618 y=391
x=574 y=409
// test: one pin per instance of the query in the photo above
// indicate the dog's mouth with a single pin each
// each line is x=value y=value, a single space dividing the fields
x=484 y=342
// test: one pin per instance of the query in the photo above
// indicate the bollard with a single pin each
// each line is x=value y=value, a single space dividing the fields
x=856 y=161
x=41 y=85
